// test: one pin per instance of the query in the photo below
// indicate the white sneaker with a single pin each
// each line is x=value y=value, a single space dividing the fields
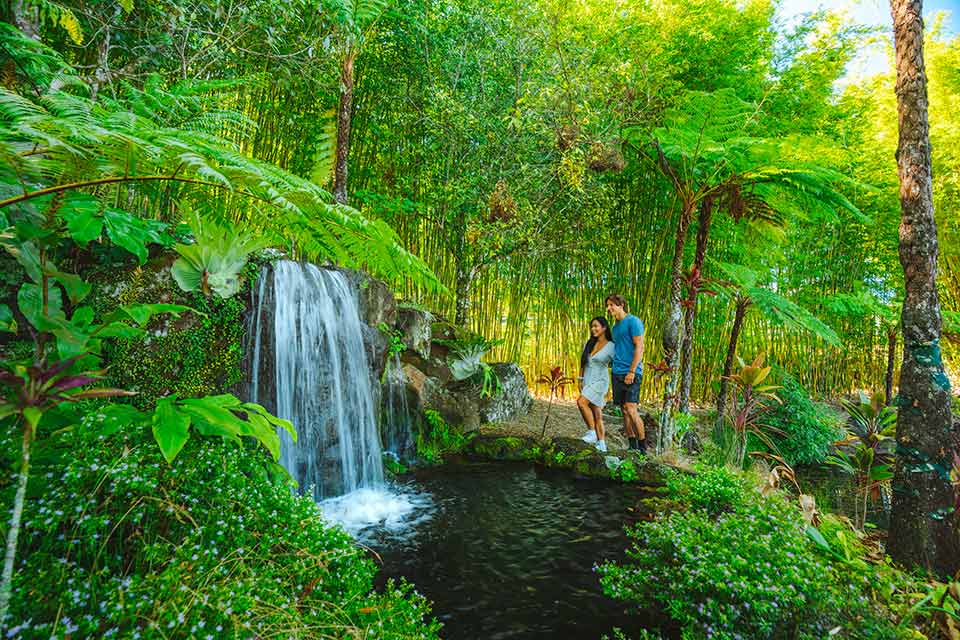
x=601 y=446
x=590 y=436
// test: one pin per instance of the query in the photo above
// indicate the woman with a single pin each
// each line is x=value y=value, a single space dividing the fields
x=595 y=380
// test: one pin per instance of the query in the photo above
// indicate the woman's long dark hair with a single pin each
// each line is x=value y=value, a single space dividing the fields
x=592 y=342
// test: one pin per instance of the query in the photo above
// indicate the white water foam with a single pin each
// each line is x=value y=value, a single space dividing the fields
x=386 y=511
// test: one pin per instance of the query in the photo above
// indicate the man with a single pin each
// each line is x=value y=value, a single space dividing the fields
x=627 y=368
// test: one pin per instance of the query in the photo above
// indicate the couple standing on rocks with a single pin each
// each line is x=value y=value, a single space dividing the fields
x=621 y=347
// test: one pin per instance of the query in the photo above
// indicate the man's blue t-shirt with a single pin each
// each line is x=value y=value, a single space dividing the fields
x=624 y=332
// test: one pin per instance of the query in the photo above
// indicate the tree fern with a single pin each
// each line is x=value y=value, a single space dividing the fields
x=151 y=141
x=326 y=150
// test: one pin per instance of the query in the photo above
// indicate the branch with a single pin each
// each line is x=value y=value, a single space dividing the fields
x=114 y=180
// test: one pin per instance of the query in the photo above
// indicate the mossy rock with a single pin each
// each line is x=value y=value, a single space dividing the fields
x=194 y=355
x=505 y=448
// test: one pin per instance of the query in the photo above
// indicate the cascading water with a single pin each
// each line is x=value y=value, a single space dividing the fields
x=308 y=365
x=397 y=432
x=322 y=381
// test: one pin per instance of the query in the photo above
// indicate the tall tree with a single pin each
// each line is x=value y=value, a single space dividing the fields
x=353 y=18
x=741 y=285
x=923 y=522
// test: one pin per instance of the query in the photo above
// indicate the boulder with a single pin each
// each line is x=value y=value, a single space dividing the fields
x=504 y=448
x=458 y=407
x=434 y=366
x=376 y=301
x=416 y=328
x=512 y=401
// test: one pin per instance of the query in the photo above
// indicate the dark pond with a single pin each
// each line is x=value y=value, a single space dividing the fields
x=507 y=551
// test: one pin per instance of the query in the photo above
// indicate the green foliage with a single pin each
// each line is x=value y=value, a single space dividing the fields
x=734 y=564
x=142 y=143
x=118 y=543
x=714 y=490
x=395 y=336
x=393 y=465
x=436 y=439
x=809 y=428
x=224 y=416
x=867 y=451
x=215 y=260
x=626 y=471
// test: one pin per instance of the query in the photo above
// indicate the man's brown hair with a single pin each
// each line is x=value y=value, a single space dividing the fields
x=616 y=299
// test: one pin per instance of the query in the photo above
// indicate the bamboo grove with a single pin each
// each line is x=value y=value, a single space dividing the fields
x=508 y=146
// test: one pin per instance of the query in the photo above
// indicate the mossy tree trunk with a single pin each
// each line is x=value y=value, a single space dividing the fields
x=705 y=218
x=923 y=521
x=344 y=116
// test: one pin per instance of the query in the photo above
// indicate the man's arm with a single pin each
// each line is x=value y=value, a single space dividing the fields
x=637 y=357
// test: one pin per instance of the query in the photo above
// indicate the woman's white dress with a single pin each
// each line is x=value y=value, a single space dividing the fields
x=596 y=377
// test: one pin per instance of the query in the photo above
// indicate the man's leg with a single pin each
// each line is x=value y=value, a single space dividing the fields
x=628 y=427
x=636 y=422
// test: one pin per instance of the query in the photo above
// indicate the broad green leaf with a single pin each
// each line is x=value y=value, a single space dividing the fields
x=25 y=253
x=261 y=429
x=141 y=313
x=128 y=232
x=76 y=287
x=814 y=534
x=187 y=277
x=119 y=330
x=7 y=323
x=72 y=340
x=272 y=419
x=81 y=212
x=30 y=302
x=116 y=416
x=83 y=316
x=171 y=428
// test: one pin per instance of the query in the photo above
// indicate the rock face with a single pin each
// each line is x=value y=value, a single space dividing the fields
x=378 y=308
x=458 y=407
x=377 y=303
x=514 y=399
x=415 y=325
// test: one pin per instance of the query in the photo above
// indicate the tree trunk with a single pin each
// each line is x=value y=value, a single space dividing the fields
x=923 y=524
x=13 y=533
x=27 y=18
x=464 y=291
x=671 y=327
x=344 y=114
x=891 y=358
x=739 y=314
x=690 y=310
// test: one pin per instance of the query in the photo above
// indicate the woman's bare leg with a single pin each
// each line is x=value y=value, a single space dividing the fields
x=598 y=421
x=585 y=412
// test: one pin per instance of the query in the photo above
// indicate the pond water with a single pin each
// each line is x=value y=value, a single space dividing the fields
x=507 y=551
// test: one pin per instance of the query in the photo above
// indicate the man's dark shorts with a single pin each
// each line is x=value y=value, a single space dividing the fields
x=623 y=392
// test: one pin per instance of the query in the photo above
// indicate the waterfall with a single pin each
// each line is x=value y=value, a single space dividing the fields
x=397 y=432
x=320 y=377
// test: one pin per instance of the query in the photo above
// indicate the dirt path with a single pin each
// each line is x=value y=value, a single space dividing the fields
x=565 y=421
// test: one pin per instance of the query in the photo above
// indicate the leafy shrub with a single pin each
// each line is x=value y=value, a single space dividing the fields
x=732 y=567
x=810 y=427
x=119 y=544
x=712 y=489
